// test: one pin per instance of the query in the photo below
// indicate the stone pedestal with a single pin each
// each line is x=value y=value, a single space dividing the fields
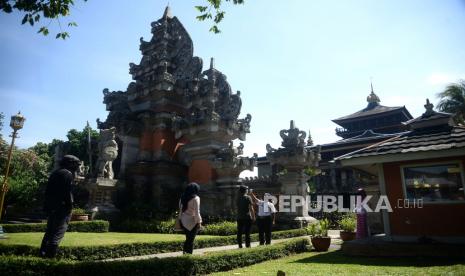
x=101 y=197
x=295 y=183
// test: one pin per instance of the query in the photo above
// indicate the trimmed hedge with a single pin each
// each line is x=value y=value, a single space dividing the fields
x=98 y=226
x=224 y=228
x=134 y=249
x=184 y=265
x=144 y=226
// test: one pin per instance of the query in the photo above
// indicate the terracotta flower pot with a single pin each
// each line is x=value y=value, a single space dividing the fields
x=321 y=243
x=76 y=217
x=347 y=236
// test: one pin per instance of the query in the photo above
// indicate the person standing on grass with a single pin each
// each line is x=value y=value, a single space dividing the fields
x=245 y=216
x=362 y=216
x=58 y=205
x=266 y=217
x=191 y=221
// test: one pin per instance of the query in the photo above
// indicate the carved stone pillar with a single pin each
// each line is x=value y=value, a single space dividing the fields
x=294 y=157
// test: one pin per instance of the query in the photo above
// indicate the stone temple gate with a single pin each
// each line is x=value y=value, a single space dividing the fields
x=176 y=124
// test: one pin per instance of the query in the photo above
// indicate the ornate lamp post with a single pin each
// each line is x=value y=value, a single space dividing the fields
x=16 y=123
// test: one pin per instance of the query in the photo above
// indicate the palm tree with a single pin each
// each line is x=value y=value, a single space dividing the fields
x=453 y=101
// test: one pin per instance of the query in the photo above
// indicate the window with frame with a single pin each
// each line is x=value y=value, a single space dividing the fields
x=438 y=182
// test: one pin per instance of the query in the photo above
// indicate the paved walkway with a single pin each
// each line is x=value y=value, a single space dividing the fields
x=335 y=244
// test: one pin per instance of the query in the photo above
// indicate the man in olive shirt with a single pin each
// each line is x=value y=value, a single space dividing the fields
x=245 y=216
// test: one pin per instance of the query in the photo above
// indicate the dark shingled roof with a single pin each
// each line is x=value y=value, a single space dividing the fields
x=415 y=141
x=367 y=135
x=434 y=116
x=378 y=109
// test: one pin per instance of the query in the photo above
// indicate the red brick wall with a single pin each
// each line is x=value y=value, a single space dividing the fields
x=200 y=171
x=446 y=219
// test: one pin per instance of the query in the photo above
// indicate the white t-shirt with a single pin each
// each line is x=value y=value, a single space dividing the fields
x=265 y=208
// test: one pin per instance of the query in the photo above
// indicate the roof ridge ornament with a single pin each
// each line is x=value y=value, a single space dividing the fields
x=429 y=109
x=372 y=99
x=293 y=137
x=212 y=63
x=167 y=13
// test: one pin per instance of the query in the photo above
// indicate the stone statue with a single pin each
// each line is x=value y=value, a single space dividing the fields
x=108 y=151
x=82 y=170
x=269 y=148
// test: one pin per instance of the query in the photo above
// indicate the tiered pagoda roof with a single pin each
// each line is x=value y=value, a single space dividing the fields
x=432 y=132
x=375 y=117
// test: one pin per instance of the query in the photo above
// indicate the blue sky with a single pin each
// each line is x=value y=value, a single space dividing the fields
x=310 y=61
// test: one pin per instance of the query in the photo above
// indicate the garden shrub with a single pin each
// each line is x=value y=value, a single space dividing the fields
x=98 y=226
x=101 y=252
x=183 y=265
x=224 y=228
x=348 y=223
x=145 y=226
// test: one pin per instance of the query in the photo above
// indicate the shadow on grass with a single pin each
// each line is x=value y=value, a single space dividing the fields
x=337 y=257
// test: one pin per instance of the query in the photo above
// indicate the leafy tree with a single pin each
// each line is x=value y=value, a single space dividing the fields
x=312 y=172
x=28 y=173
x=51 y=151
x=3 y=148
x=35 y=10
x=453 y=101
x=78 y=145
x=30 y=168
x=212 y=11
x=2 y=117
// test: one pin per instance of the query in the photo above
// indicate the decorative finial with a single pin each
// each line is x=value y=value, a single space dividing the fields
x=292 y=124
x=429 y=108
x=167 y=13
x=212 y=63
x=372 y=99
x=309 y=140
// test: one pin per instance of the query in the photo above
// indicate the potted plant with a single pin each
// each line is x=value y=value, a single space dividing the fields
x=347 y=224
x=79 y=214
x=319 y=235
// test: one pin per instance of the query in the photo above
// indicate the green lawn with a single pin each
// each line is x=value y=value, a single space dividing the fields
x=335 y=262
x=86 y=239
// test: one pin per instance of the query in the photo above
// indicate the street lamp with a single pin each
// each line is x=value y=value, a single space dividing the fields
x=16 y=123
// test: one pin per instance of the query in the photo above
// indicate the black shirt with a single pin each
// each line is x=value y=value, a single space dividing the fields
x=243 y=207
x=58 y=195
